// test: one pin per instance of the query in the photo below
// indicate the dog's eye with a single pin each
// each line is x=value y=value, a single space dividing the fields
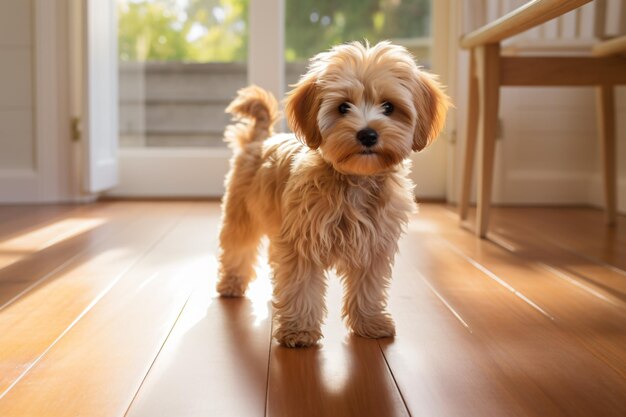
x=387 y=108
x=343 y=108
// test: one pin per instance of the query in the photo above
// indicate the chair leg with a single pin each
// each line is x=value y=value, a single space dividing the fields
x=470 y=138
x=488 y=60
x=605 y=103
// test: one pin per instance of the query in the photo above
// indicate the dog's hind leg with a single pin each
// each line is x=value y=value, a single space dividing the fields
x=239 y=242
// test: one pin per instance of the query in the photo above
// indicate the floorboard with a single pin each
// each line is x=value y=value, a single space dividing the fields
x=579 y=230
x=49 y=247
x=593 y=320
x=32 y=324
x=215 y=361
x=518 y=333
x=532 y=244
x=213 y=364
x=25 y=229
x=434 y=357
x=121 y=335
x=21 y=218
x=344 y=376
x=109 y=309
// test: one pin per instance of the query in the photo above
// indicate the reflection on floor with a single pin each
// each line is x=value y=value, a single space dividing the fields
x=109 y=310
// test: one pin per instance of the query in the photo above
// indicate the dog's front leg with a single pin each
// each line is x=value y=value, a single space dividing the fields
x=299 y=289
x=365 y=299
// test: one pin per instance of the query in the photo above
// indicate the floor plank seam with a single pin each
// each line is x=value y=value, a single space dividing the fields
x=67 y=329
x=491 y=275
x=562 y=273
x=467 y=226
x=456 y=314
x=393 y=377
x=57 y=269
x=571 y=251
x=42 y=280
x=167 y=336
x=616 y=294
x=555 y=271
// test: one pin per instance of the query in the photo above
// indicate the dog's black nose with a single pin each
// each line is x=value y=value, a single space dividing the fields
x=368 y=136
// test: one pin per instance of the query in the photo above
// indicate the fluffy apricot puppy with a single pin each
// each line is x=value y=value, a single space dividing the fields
x=334 y=195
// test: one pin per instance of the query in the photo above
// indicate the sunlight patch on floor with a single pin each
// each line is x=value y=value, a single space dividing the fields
x=260 y=292
x=423 y=225
x=50 y=283
x=337 y=367
x=203 y=295
x=13 y=249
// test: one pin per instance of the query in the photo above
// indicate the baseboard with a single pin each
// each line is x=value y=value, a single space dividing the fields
x=527 y=188
x=596 y=192
x=177 y=173
x=542 y=187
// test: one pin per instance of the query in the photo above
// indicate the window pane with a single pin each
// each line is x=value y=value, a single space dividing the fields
x=181 y=62
x=315 y=25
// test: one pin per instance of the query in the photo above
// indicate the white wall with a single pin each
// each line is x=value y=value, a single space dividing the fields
x=547 y=150
x=16 y=85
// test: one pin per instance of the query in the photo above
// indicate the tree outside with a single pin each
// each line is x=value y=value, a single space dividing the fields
x=183 y=30
x=217 y=30
x=312 y=26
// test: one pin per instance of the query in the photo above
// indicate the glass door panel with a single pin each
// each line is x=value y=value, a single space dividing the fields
x=181 y=62
x=313 y=26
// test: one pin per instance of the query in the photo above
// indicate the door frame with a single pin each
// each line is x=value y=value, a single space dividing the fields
x=447 y=30
x=100 y=101
x=434 y=168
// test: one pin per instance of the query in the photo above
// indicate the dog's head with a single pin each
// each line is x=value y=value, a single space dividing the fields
x=365 y=108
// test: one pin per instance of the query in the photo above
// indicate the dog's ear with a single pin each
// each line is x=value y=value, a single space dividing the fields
x=431 y=104
x=301 y=109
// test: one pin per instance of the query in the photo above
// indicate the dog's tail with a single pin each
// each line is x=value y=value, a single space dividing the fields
x=255 y=111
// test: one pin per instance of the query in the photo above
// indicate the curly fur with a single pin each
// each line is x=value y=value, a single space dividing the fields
x=323 y=201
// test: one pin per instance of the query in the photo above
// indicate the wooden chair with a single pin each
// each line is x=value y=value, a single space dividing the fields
x=490 y=70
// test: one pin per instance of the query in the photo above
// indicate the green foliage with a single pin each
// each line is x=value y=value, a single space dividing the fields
x=315 y=25
x=224 y=24
x=217 y=31
x=174 y=30
x=147 y=31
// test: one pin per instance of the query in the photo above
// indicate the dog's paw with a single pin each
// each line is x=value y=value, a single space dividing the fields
x=297 y=338
x=374 y=327
x=231 y=286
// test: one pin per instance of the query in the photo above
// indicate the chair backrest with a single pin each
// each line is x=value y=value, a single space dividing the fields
x=574 y=31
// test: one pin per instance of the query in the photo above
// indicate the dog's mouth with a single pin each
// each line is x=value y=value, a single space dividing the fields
x=365 y=156
x=364 y=152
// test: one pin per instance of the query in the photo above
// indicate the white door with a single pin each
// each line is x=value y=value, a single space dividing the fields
x=33 y=154
x=101 y=96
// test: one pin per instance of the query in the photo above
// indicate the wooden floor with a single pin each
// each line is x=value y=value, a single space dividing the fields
x=109 y=310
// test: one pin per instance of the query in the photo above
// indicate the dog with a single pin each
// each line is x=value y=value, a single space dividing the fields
x=336 y=193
